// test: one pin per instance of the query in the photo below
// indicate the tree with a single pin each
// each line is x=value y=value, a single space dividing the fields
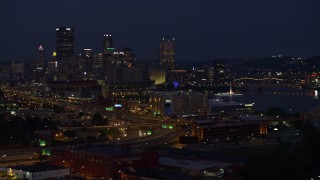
x=289 y=161
x=58 y=109
x=276 y=111
x=98 y=120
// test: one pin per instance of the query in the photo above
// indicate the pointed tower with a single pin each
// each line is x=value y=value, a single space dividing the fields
x=40 y=58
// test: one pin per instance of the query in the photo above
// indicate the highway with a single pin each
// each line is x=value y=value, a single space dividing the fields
x=31 y=155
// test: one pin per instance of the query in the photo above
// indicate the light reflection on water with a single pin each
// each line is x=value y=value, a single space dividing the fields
x=290 y=99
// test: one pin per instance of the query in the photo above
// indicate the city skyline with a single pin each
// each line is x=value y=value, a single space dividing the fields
x=203 y=30
x=159 y=89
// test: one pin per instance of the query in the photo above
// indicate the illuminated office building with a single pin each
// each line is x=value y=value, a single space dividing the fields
x=167 y=53
x=40 y=60
x=181 y=104
x=52 y=68
x=38 y=66
x=219 y=74
x=124 y=58
x=64 y=43
x=98 y=61
x=107 y=48
x=107 y=42
x=87 y=53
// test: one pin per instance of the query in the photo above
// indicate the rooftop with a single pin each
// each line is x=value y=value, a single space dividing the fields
x=109 y=150
x=36 y=168
x=191 y=164
x=221 y=102
x=159 y=174
x=201 y=155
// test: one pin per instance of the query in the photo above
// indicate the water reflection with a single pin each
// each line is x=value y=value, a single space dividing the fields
x=290 y=99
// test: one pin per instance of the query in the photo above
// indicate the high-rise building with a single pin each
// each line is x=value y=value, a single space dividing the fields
x=125 y=58
x=17 y=73
x=167 y=53
x=52 y=66
x=129 y=57
x=219 y=74
x=210 y=74
x=64 y=43
x=107 y=42
x=88 y=60
x=97 y=61
x=87 y=53
x=40 y=60
x=38 y=69
x=107 y=48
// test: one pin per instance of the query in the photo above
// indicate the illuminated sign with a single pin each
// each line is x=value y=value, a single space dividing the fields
x=175 y=84
x=110 y=108
x=118 y=105
x=168 y=101
x=45 y=152
x=42 y=143
x=248 y=105
x=111 y=49
x=149 y=133
x=156 y=112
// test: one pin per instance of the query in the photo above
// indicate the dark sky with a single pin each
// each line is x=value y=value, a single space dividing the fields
x=204 y=29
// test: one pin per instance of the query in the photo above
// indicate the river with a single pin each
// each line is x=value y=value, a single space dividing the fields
x=290 y=99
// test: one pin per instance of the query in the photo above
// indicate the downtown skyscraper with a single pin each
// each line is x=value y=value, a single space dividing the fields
x=107 y=48
x=167 y=53
x=40 y=60
x=64 y=43
x=38 y=66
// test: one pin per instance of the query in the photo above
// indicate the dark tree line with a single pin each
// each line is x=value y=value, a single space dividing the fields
x=18 y=130
x=296 y=160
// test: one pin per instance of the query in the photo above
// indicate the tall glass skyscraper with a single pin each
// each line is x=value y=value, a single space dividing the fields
x=64 y=43
x=167 y=53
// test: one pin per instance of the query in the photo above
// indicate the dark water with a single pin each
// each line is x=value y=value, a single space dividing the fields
x=290 y=99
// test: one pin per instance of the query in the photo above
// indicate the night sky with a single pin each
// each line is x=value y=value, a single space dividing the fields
x=204 y=29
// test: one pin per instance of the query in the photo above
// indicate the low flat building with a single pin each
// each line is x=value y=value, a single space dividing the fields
x=158 y=76
x=105 y=160
x=219 y=106
x=194 y=167
x=75 y=89
x=38 y=171
x=179 y=103
x=210 y=131
x=154 y=174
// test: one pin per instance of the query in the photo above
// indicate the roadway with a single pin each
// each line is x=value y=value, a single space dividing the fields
x=30 y=155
